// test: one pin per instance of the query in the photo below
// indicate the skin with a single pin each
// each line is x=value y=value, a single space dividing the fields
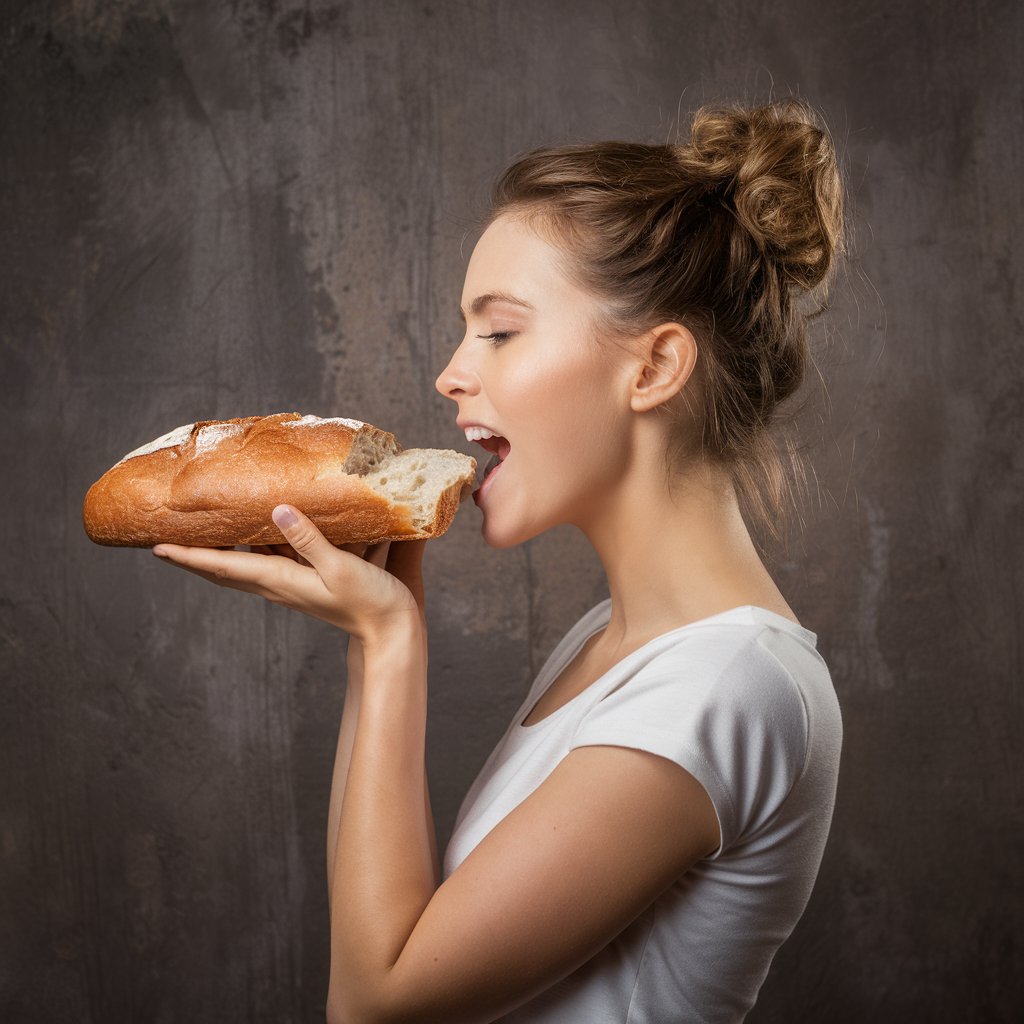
x=588 y=439
x=587 y=443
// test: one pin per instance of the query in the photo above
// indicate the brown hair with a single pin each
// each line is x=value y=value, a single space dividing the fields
x=722 y=234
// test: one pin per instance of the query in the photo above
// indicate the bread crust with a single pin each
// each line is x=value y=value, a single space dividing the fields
x=214 y=484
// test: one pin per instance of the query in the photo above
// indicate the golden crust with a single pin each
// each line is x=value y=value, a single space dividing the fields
x=218 y=487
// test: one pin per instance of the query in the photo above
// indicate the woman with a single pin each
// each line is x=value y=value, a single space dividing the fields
x=647 y=832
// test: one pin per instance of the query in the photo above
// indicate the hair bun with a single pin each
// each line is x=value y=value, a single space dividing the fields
x=776 y=168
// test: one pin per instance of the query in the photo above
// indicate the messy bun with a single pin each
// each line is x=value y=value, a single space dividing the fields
x=777 y=171
x=726 y=234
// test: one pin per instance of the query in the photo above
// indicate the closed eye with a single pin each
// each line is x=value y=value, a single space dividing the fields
x=498 y=337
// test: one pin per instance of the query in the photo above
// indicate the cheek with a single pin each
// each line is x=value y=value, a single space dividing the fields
x=601 y=422
x=568 y=412
x=533 y=392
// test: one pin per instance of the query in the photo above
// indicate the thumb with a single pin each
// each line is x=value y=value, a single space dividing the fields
x=301 y=533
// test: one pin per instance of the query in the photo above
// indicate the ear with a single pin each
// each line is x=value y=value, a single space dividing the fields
x=667 y=355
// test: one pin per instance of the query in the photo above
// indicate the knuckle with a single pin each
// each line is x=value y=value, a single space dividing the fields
x=304 y=539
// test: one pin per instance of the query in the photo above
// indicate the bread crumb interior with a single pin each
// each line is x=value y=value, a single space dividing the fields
x=417 y=477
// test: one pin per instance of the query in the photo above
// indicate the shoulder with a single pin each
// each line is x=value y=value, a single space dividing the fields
x=728 y=704
x=730 y=670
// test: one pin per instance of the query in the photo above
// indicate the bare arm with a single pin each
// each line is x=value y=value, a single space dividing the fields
x=385 y=858
x=343 y=753
x=343 y=757
x=511 y=920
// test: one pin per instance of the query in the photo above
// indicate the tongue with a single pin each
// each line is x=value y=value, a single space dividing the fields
x=492 y=464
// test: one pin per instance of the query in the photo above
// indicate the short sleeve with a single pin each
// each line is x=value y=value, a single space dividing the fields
x=728 y=712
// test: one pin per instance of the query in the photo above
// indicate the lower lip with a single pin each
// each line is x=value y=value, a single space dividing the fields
x=479 y=493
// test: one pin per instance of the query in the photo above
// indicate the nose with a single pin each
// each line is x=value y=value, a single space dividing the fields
x=457 y=378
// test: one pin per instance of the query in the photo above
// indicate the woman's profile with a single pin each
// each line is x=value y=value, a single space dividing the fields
x=646 y=833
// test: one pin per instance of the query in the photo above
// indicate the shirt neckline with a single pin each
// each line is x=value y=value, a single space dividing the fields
x=769 y=617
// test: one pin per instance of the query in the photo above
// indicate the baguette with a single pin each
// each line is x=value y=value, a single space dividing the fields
x=215 y=483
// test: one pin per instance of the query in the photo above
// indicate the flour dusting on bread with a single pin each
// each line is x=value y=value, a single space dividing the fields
x=212 y=434
x=179 y=435
x=307 y=421
x=215 y=483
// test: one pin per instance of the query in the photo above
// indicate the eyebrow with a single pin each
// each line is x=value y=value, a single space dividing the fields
x=481 y=302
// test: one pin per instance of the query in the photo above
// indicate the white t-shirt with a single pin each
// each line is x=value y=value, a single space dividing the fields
x=744 y=702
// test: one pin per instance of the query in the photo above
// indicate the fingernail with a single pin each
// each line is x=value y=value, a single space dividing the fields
x=284 y=517
x=159 y=552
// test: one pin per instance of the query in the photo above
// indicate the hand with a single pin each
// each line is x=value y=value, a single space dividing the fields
x=365 y=592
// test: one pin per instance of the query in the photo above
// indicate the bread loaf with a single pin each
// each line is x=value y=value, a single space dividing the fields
x=215 y=483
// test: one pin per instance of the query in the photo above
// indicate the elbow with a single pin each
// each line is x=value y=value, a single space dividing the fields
x=372 y=1015
x=360 y=1016
x=343 y=1009
x=385 y=997
x=357 y=1007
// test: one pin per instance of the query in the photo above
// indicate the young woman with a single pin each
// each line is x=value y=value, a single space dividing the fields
x=647 y=831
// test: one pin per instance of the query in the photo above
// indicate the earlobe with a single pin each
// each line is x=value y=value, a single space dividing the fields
x=667 y=360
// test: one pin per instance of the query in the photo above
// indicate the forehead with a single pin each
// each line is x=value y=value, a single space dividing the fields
x=511 y=257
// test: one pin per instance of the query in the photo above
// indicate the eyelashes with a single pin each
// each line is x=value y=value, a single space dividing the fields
x=497 y=337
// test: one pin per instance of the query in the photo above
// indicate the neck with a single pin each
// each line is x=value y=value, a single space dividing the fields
x=672 y=559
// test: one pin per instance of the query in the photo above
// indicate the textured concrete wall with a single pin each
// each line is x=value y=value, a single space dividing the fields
x=213 y=209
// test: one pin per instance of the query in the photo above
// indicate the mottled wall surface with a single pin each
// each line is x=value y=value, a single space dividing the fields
x=214 y=209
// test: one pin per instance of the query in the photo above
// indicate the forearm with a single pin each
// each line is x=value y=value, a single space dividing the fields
x=385 y=858
x=343 y=753
x=343 y=757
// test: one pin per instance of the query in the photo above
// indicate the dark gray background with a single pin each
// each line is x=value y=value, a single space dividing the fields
x=218 y=209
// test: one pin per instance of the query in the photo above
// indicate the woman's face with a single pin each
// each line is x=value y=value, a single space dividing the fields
x=530 y=369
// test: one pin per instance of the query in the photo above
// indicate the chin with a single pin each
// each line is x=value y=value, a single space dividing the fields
x=510 y=535
x=501 y=539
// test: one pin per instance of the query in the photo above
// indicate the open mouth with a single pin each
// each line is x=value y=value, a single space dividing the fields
x=499 y=447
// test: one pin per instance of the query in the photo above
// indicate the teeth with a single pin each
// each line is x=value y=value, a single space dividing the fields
x=476 y=433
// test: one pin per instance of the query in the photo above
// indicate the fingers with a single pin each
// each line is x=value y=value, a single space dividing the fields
x=355 y=548
x=312 y=575
x=240 y=570
x=251 y=570
x=377 y=554
x=284 y=550
x=405 y=559
x=303 y=536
